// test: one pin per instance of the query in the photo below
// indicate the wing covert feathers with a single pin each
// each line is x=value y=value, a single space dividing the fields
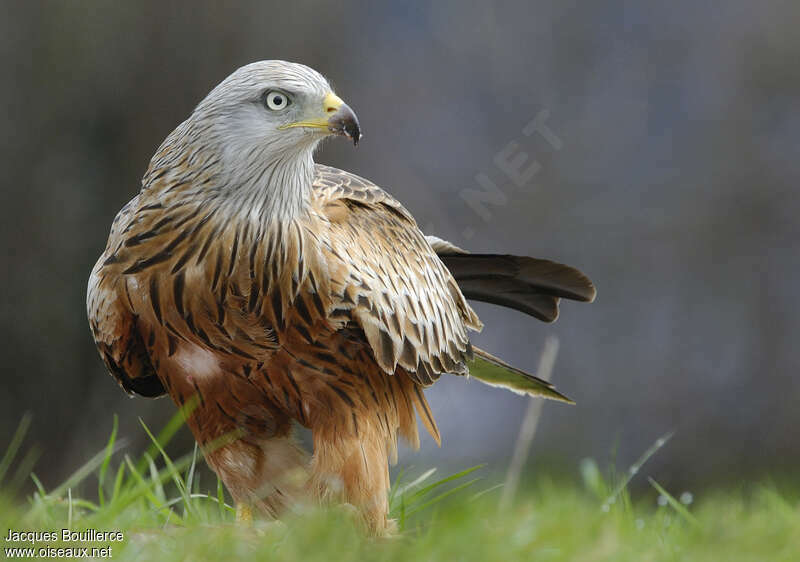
x=114 y=326
x=390 y=282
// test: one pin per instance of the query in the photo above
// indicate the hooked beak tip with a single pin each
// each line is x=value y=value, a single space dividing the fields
x=345 y=123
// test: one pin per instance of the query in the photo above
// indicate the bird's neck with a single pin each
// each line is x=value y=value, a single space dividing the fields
x=277 y=189
x=270 y=184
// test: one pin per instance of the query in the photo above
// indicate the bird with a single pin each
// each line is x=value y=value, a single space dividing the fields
x=262 y=291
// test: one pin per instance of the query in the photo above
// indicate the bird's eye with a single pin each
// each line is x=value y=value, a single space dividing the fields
x=276 y=100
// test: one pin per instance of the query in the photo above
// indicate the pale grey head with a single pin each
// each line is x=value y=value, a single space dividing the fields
x=279 y=103
x=261 y=125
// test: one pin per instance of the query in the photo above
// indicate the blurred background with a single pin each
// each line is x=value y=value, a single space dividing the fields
x=663 y=161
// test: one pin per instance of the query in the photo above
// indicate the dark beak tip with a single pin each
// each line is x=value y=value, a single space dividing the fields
x=344 y=122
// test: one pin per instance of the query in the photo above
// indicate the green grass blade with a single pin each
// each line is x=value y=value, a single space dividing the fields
x=635 y=467
x=675 y=504
x=175 y=473
x=396 y=487
x=136 y=487
x=16 y=443
x=158 y=487
x=118 y=480
x=440 y=497
x=39 y=485
x=220 y=498
x=23 y=470
x=145 y=489
x=489 y=490
x=168 y=431
x=84 y=471
x=401 y=491
x=190 y=473
x=104 y=467
x=458 y=475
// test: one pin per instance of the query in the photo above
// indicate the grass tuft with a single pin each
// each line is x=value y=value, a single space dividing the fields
x=161 y=507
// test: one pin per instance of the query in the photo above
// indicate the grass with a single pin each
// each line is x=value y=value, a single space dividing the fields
x=166 y=514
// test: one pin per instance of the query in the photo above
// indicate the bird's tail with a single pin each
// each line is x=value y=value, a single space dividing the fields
x=529 y=285
x=494 y=371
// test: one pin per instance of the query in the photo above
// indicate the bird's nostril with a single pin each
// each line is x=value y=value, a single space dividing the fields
x=331 y=110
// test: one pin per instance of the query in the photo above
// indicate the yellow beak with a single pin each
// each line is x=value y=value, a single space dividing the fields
x=330 y=105
x=337 y=118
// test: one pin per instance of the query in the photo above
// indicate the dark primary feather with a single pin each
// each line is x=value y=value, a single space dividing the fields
x=530 y=285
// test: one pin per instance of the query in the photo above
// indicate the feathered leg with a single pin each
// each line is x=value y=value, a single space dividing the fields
x=353 y=467
x=268 y=476
x=248 y=442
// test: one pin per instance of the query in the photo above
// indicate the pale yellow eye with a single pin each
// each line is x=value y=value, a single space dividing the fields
x=276 y=100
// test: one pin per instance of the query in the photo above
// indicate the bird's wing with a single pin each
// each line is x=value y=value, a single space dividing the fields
x=530 y=285
x=178 y=271
x=386 y=278
x=113 y=324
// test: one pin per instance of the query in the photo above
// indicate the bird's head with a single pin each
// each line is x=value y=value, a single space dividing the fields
x=251 y=140
x=280 y=106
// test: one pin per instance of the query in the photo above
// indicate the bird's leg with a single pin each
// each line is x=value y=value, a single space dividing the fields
x=253 y=452
x=244 y=513
x=268 y=476
x=353 y=468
